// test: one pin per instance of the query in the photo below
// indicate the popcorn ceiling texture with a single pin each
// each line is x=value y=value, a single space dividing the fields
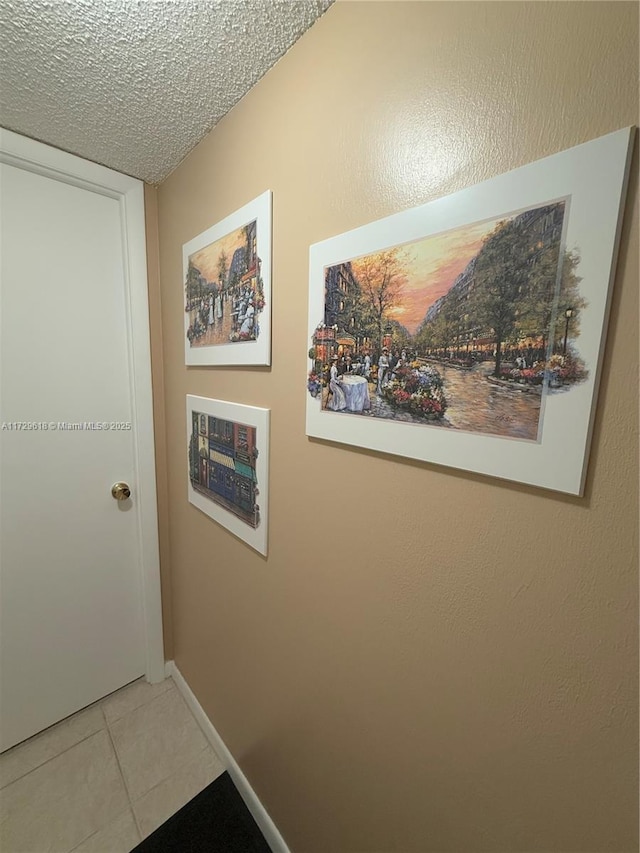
x=136 y=84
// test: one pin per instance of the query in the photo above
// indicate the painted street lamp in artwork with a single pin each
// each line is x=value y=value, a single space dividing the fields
x=568 y=315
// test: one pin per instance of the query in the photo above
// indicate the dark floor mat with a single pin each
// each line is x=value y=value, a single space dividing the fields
x=215 y=821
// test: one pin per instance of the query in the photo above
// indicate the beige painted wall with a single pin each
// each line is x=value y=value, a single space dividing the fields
x=428 y=660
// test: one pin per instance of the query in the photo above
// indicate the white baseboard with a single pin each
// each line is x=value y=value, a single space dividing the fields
x=267 y=826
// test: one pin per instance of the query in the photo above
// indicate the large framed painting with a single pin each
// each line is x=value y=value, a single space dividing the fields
x=228 y=463
x=469 y=331
x=227 y=289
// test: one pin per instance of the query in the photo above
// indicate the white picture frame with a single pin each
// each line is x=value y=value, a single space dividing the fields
x=227 y=289
x=582 y=190
x=228 y=466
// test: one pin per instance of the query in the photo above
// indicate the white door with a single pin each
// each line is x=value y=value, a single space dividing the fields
x=79 y=593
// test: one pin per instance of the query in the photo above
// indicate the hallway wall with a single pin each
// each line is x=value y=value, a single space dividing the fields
x=428 y=660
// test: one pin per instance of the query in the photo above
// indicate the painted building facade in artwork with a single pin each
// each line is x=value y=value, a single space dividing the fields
x=222 y=464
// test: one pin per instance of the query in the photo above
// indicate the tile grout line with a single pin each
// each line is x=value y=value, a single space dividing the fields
x=142 y=704
x=124 y=781
x=180 y=768
x=166 y=779
x=97 y=704
x=100 y=829
x=106 y=728
x=63 y=752
x=53 y=757
x=207 y=747
x=115 y=750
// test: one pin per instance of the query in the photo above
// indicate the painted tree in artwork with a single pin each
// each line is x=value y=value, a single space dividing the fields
x=536 y=309
x=444 y=329
x=546 y=277
x=223 y=267
x=382 y=277
x=500 y=281
x=569 y=297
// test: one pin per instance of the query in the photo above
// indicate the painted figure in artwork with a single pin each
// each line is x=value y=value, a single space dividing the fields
x=383 y=367
x=337 y=401
x=367 y=365
x=247 y=322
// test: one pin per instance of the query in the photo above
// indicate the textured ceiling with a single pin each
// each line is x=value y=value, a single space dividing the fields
x=136 y=84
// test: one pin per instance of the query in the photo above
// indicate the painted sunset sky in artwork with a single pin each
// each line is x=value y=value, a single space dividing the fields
x=432 y=265
x=207 y=259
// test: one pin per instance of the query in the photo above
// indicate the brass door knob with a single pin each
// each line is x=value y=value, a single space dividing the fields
x=120 y=491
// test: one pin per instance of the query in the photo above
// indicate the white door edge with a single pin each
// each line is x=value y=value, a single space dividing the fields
x=25 y=153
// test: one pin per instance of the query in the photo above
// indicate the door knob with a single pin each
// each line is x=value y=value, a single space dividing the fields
x=120 y=491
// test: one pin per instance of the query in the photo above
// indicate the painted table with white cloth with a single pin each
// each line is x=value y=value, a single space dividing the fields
x=356 y=391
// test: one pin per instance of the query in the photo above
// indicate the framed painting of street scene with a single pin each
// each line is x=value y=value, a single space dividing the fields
x=227 y=289
x=228 y=465
x=469 y=331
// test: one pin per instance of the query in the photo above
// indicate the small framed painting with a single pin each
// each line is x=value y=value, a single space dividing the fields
x=228 y=463
x=469 y=331
x=227 y=289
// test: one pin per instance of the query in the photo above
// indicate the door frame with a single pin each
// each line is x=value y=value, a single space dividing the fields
x=29 y=155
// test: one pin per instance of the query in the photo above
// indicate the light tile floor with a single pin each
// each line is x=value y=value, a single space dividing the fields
x=103 y=779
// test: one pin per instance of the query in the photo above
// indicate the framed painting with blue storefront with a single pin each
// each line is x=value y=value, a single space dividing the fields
x=228 y=448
